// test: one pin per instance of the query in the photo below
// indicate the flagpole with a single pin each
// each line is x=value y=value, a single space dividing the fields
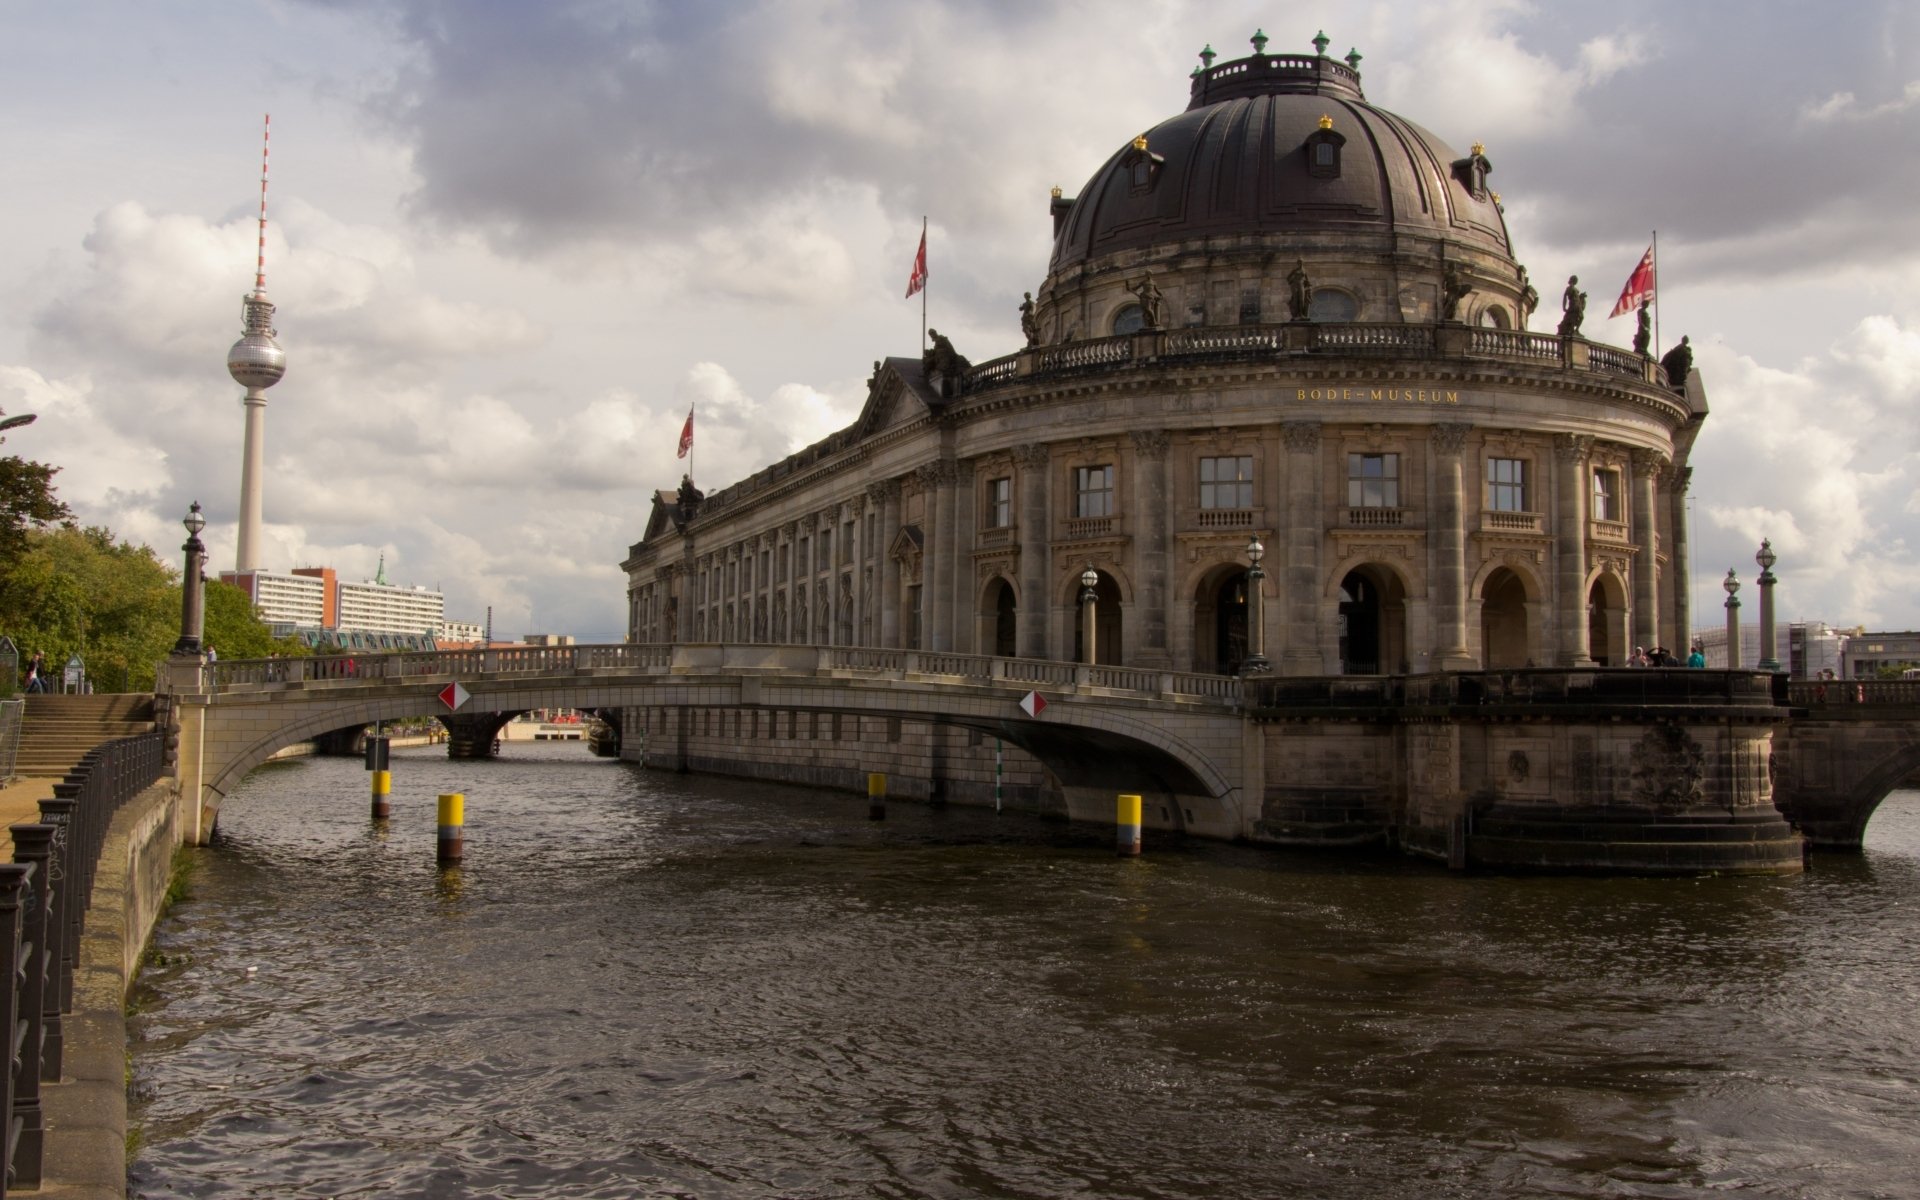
x=923 y=290
x=1656 y=295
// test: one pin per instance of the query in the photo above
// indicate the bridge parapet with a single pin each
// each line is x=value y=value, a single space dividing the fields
x=1552 y=687
x=1854 y=694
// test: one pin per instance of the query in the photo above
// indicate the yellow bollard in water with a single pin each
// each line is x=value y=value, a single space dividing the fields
x=876 y=796
x=1126 y=823
x=453 y=834
x=382 y=788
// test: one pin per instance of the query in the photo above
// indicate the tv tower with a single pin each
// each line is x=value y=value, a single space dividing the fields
x=256 y=363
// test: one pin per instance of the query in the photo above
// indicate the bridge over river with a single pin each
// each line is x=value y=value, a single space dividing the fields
x=1612 y=769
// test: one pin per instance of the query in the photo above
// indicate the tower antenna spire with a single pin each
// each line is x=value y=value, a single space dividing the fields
x=260 y=262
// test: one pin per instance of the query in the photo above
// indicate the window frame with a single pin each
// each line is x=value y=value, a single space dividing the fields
x=1606 y=499
x=1501 y=489
x=1387 y=480
x=999 y=514
x=1239 y=485
x=1087 y=498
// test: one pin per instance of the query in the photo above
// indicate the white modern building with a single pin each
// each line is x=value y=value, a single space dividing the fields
x=281 y=599
x=378 y=606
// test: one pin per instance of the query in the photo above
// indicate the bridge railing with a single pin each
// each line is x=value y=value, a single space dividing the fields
x=44 y=898
x=1561 y=687
x=1853 y=693
x=663 y=658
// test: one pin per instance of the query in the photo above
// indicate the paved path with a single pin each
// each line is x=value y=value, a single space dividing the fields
x=20 y=803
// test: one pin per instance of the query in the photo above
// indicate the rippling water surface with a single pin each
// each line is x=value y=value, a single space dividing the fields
x=643 y=984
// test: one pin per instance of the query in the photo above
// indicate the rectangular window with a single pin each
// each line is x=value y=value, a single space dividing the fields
x=1373 y=481
x=913 y=617
x=1093 y=491
x=1507 y=485
x=1606 y=496
x=846 y=542
x=999 y=503
x=800 y=560
x=1226 y=482
x=826 y=549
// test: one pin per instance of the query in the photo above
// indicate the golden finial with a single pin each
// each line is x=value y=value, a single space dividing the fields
x=1479 y=148
x=1056 y=191
x=1326 y=122
x=1140 y=143
x=1496 y=198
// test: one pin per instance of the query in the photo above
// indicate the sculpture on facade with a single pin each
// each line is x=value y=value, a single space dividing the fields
x=1573 y=306
x=1529 y=298
x=1029 y=324
x=1453 y=289
x=1151 y=302
x=942 y=359
x=1678 y=363
x=1643 y=336
x=1299 y=291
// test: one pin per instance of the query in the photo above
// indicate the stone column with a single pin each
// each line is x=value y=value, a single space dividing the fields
x=1036 y=536
x=1301 y=535
x=1148 y=523
x=1570 y=451
x=1449 y=550
x=936 y=570
x=1682 y=581
x=1646 y=597
x=887 y=495
x=966 y=510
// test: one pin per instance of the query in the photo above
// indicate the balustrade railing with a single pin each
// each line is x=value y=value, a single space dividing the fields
x=44 y=898
x=1617 y=362
x=1853 y=693
x=1373 y=338
x=1067 y=355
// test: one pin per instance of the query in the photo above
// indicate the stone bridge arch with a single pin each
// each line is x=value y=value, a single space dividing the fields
x=1184 y=749
x=1831 y=773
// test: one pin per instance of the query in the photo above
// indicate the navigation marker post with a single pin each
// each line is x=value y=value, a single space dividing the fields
x=1033 y=704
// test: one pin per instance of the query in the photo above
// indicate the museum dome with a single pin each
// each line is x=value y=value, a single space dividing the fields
x=1275 y=145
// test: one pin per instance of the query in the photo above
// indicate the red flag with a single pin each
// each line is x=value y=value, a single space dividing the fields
x=1639 y=286
x=918 y=279
x=686 y=436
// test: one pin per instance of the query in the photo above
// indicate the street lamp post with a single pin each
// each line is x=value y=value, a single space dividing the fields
x=1732 y=584
x=192 y=595
x=1769 y=645
x=1256 y=661
x=1088 y=579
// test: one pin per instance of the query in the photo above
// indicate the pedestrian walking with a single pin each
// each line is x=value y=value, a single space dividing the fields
x=37 y=672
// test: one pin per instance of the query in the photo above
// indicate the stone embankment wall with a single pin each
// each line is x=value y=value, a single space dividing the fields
x=86 y=1112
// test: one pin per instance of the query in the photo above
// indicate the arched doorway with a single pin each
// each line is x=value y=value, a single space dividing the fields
x=1106 y=622
x=1503 y=621
x=1607 y=622
x=1373 y=622
x=998 y=619
x=1220 y=620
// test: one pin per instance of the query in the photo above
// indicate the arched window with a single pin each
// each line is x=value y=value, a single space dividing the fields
x=1332 y=304
x=1323 y=151
x=1495 y=317
x=1130 y=319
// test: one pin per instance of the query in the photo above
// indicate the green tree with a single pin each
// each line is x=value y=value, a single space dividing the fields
x=27 y=502
x=80 y=591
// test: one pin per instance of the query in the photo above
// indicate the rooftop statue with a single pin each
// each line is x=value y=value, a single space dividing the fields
x=1453 y=289
x=1573 y=304
x=1150 y=301
x=941 y=358
x=1643 y=336
x=1678 y=363
x=1029 y=324
x=1529 y=298
x=1299 y=291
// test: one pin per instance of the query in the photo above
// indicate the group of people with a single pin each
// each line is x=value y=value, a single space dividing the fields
x=1660 y=656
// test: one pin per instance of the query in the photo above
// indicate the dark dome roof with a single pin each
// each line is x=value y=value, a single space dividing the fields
x=1236 y=162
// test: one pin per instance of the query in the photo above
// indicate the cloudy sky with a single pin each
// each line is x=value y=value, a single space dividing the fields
x=512 y=242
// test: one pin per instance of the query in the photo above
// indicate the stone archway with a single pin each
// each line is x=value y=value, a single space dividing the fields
x=1607 y=622
x=998 y=619
x=1504 y=637
x=1373 y=622
x=1220 y=619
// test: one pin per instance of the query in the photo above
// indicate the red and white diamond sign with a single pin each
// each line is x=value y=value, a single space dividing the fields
x=1033 y=703
x=453 y=695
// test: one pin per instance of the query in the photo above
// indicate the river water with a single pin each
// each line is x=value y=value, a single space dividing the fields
x=643 y=984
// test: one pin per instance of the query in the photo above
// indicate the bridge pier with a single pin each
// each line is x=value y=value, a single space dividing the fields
x=474 y=735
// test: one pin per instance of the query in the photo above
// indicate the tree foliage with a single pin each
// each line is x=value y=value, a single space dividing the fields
x=27 y=502
x=79 y=591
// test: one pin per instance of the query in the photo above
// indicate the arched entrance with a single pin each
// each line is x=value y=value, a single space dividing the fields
x=1220 y=620
x=1106 y=622
x=1503 y=621
x=1373 y=622
x=1607 y=622
x=998 y=619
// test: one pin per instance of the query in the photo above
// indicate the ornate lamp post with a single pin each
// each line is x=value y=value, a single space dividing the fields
x=1256 y=661
x=1732 y=584
x=192 y=595
x=1088 y=579
x=1769 y=646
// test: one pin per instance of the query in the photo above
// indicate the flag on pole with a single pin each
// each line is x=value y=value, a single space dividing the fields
x=1639 y=286
x=686 y=436
x=918 y=279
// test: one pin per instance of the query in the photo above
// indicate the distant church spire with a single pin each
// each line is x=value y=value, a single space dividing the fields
x=256 y=363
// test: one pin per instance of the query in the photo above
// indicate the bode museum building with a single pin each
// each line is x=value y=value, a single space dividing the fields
x=1283 y=315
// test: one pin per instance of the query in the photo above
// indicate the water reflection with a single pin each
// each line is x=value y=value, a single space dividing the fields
x=647 y=984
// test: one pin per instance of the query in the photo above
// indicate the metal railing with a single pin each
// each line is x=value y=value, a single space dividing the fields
x=44 y=897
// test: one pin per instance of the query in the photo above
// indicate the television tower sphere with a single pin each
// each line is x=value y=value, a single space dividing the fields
x=256 y=360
